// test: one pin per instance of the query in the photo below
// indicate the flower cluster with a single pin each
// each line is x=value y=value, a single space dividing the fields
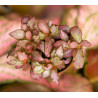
x=44 y=48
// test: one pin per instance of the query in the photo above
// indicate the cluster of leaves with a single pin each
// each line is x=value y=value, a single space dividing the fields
x=44 y=48
x=84 y=16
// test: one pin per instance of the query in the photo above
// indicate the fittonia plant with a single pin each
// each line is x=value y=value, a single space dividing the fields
x=45 y=48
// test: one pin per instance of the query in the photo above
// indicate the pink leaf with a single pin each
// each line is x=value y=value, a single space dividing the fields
x=22 y=56
x=41 y=35
x=48 y=48
x=59 y=43
x=71 y=18
x=78 y=60
x=54 y=30
x=18 y=34
x=59 y=52
x=43 y=27
x=28 y=35
x=6 y=41
x=85 y=43
x=90 y=32
x=76 y=33
x=24 y=27
x=36 y=56
x=31 y=23
x=73 y=45
x=22 y=43
x=35 y=75
x=46 y=73
x=38 y=69
x=54 y=76
x=85 y=11
x=63 y=36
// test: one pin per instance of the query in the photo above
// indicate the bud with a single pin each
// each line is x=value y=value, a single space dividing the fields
x=25 y=20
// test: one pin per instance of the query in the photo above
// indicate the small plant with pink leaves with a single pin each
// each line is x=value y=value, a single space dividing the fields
x=46 y=49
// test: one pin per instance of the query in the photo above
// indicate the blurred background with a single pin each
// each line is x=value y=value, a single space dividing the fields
x=71 y=80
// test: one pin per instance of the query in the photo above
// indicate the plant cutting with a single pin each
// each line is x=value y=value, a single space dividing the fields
x=45 y=49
